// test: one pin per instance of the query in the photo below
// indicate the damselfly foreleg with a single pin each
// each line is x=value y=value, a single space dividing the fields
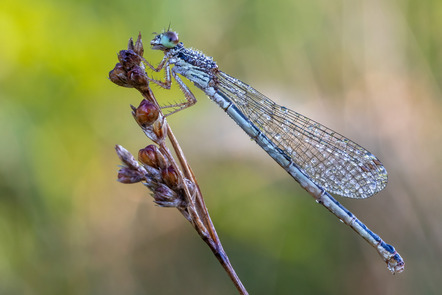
x=166 y=84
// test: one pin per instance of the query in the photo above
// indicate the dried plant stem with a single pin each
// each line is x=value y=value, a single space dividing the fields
x=172 y=185
x=214 y=243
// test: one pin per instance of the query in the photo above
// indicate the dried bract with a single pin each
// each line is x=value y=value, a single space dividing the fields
x=166 y=197
x=160 y=129
x=139 y=49
x=127 y=158
x=128 y=175
x=156 y=132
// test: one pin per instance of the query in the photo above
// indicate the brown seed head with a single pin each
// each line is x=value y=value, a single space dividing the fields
x=151 y=156
x=138 y=77
x=146 y=113
x=170 y=177
x=119 y=76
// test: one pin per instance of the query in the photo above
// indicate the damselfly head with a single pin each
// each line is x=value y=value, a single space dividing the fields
x=164 y=41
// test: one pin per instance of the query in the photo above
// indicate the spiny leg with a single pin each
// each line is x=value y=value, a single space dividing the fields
x=164 y=62
x=190 y=97
x=167 y=79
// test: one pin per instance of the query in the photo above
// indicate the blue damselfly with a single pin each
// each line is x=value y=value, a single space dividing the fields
x=320 y=159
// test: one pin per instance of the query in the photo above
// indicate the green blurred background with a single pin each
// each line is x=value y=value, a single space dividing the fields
x=368 y=69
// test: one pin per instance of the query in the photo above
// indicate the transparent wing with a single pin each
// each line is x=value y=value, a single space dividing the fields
x=332 y=161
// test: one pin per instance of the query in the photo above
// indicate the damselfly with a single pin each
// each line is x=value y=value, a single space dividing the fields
x=320 y=159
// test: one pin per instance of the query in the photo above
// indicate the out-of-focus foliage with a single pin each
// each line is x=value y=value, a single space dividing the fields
x=371 y=70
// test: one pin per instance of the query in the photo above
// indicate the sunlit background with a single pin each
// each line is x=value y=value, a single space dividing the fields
x=371 y=70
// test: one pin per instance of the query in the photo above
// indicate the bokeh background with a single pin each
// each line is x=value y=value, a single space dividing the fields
x=368 y=69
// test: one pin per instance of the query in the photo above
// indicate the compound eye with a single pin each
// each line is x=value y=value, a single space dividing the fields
x=169 y=39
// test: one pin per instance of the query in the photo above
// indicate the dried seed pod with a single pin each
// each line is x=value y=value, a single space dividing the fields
x=170 y=177
x=119 y=76
x=137 y=76
x=151 y=156
x=146 y=113
x=129 y=59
